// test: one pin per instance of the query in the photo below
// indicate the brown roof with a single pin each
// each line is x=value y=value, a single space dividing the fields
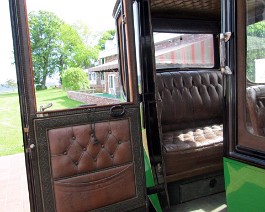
x=110 y=66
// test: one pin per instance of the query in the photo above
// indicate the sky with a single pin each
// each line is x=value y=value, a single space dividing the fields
x=97 y=14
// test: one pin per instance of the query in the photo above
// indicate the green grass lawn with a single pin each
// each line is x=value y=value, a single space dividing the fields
x=10 y=123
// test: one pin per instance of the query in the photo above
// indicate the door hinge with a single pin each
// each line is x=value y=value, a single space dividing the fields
x=30 y=148
x=123 y=19
x=26 y=130
x=224 y=37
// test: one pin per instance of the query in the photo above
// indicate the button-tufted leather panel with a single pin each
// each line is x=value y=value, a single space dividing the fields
x=192 y=138
x=193 y=152
x=190 y=98
x=74 y=150
x=92 y=165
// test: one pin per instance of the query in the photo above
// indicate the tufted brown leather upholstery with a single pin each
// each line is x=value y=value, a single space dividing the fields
x=256 y=109
x=191 y=117
x=81 y=158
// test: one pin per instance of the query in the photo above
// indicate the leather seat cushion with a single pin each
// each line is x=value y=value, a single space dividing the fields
x=193 y=152
x=192 y=138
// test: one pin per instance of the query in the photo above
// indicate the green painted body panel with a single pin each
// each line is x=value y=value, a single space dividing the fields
x=150 y=182
x=245 y=187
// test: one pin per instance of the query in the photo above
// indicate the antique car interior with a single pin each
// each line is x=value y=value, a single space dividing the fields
x=190 y=103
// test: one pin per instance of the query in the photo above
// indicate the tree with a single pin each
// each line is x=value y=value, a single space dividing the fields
x=75 y=79
x=56 y=46
x=45 y=30
x=108 y=35
x=10 y=83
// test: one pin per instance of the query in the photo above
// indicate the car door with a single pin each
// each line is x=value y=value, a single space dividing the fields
x=244 y=104
x=83 y=158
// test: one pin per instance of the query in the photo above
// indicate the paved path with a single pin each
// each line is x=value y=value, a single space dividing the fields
x=13 y=184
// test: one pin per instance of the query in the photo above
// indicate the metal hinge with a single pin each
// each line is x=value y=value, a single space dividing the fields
x=26 y=130
x=30 y=148
x=123 y=19
x=224 y=37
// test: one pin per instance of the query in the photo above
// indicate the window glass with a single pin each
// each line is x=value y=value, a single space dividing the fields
x=184 y=50
x=255 y=72
x=73 y=55
x=255 y=49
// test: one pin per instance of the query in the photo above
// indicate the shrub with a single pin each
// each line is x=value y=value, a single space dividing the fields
x=39 y=87
x=75 y=79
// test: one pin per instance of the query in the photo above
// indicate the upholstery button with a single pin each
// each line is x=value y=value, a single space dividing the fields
x=74 y=138
x=110 y=132
x=102 y=146
x=76 y=163
x=65 y=153
x=95 y=159
x=84 y=149
x=119 y=142
x=92 y=135
x=112 y=156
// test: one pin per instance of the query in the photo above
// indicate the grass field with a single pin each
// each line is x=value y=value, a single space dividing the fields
x=10 y=124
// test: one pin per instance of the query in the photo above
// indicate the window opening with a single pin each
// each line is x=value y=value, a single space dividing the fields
x=173 y=50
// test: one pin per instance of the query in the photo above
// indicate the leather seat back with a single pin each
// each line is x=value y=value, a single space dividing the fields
x=190 y=98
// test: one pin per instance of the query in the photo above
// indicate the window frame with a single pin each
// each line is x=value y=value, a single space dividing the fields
x=239 y=143
x=186 y=66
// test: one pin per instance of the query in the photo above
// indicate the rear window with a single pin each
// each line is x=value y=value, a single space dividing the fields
x=174 y=50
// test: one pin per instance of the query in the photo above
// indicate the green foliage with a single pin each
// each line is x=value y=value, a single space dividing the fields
x=108 y=35
x=255 y=47
x=56 y=46
x=45 y=29
x=40 y=87
x=75 y=79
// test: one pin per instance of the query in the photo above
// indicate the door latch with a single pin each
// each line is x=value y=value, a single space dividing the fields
x=42 y=108
x=224 y=37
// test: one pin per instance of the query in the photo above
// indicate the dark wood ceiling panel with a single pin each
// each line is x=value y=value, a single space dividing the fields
x=202 y=9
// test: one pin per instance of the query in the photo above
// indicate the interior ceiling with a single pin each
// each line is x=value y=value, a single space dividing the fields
x=199 y=9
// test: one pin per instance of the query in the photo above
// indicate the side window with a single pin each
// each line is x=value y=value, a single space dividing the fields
x=174 y=50
x=72 y=63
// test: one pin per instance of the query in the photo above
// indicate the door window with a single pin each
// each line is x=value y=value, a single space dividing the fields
x=69 y=59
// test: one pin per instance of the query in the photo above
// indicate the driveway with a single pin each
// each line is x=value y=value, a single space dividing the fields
x=13 y=184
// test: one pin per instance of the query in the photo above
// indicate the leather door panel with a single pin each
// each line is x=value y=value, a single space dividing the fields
x=88 y=162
